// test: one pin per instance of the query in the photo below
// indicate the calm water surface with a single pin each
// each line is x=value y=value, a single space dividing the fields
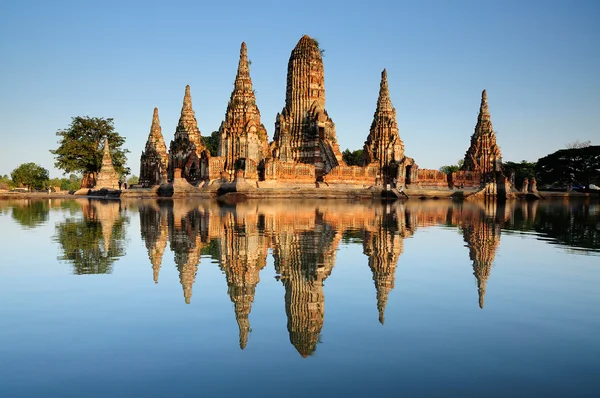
x=299 y=298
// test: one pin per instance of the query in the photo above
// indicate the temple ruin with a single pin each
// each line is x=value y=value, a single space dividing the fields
x=187 y=147
x=154 y=160
x=243 y=140
x=304 y=132
x=484 y=154
x=107 y=176
x=305 y=150
x=383 y=148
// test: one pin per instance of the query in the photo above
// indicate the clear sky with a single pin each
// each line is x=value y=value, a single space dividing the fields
x=538 y=60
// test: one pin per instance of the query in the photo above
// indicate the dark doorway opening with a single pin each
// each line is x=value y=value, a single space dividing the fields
x=408 y=173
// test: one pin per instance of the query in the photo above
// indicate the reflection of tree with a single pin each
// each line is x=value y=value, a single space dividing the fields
x=575 y=223
x=31 y=213
x=93 y=243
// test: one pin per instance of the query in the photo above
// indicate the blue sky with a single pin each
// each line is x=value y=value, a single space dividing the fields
x=538 y=60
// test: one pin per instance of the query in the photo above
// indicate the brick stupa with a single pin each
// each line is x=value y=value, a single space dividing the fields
x=187 y=145
x=154 y=160
x=383 y=145
x=484 y=154
x=107 y=176
x=304 y=132
x=241 y=134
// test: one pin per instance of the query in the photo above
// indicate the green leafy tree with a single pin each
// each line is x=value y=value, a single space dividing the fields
x=6 y=182
x=452 y=168
x=521 y=171
x=353 y=158
x=212 y=143
x=81 y=146
x=580 y=166
x=31 y=176
x=133 y=180
x=70 y=184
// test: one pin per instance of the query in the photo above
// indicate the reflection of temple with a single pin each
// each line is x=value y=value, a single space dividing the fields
x=186 y=243
x=243 y=255
x=383 y=246
x=304 y=237
x=304 y=259
x=94 y=242
x=154 y=227
x=482 y=237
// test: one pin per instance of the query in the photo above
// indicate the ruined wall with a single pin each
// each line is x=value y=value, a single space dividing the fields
x=353 y=175
x=432 y=178
x=211 y=167
x=276 y=170
x=465 y=179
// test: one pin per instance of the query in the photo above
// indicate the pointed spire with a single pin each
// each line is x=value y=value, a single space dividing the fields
x=187 y=128
x=106 y=158
x=155 y=120
x=242 y=91
x=484 y=113
x=483 y=153
x=384 y=103
x=243 y=67
x=187 y=100
x=155 y=138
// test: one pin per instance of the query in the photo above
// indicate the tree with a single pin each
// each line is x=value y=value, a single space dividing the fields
x=81 y=146
x=578 y=144
x=70 y=184
x=353 y=158
x=6 y=182
x=452 y=168
x=30 y=175
x=579 y=166
x=133 y=180
x=212 y=143
x=521 y=170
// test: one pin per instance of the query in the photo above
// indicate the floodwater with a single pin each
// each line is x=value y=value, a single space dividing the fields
x=299 y=298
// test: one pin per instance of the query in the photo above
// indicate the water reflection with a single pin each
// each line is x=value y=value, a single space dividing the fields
x=302 y=239
x=30 y=213
x=94 y=239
